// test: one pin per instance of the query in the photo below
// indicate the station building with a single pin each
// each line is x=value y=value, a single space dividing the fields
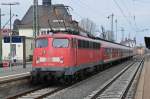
x=50 y=17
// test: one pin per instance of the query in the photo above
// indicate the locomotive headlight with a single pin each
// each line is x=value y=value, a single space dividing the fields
x=61 y=60
x=57 y=59
x=37 y=60
x=43 y=59
x=40 y=59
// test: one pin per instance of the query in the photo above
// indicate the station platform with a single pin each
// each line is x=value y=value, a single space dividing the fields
x=143 y=87
x=9 y=72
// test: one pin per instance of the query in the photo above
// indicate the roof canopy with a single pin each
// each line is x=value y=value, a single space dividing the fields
x=147 y=42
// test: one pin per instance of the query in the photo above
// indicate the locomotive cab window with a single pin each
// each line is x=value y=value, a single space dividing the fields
x=60 y=43
x=41 y=43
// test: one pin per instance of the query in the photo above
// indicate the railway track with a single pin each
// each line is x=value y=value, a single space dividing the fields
x=43 y=92
x=118 y=86
x=37 y=93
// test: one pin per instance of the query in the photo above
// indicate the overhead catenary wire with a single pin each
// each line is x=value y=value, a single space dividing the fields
x=132 y=16
x=124 y=15
x=75 y=12
x=86 y=6
x=142 y=1
x=127 y=8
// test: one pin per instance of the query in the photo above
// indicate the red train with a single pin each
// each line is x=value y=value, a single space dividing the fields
x=65 y=55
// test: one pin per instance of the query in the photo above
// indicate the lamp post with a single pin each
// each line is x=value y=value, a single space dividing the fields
x=112 y=26
x=116 y=21
x=0 y=38
x=10 y=5
x=122 y=30
x=35 y=19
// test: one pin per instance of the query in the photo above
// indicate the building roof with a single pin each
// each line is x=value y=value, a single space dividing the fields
x=54 y=15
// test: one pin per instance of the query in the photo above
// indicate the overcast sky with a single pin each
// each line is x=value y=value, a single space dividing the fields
x=97 y=11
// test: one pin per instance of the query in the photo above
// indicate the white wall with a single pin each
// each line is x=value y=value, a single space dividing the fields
x=6 y=50
x=29 y=47
x=26 y=32
x=19 y=49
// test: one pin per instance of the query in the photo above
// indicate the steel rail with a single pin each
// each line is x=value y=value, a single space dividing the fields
x=99 y=91
x=41 y=92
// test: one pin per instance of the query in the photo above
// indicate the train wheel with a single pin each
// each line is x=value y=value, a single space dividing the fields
x=66 y=80
x=33 y=80
x=81 y=76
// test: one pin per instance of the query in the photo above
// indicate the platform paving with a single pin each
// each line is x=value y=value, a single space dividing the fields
x=143 y=88
x=7 y=71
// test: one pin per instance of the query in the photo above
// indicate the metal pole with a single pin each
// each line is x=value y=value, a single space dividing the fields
x=112 y=26
x=35 y=18
x=116 y=28
x=10 y=5
x=112 y=22
x=0 y=39
x=10 y=40
x=122 y=34
x=24 y=51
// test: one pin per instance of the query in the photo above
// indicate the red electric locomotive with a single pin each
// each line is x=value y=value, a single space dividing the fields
x=60 y=55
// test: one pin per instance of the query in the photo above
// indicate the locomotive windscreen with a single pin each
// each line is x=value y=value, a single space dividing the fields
x=60 y=43
x=147 y=42
x=40 y=43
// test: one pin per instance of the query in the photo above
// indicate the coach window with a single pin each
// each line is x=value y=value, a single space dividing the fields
x=60 y=43
x=94 y=45
x=90 y=45
x=79 y=44
x=98 y=45
x=107 y=51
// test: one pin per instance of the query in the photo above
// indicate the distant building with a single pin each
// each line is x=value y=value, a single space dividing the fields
x=55 y=17
x=129 y=42
x=139 y=50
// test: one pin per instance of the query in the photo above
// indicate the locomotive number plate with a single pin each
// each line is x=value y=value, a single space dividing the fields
x=55 y=59
x=42 y=59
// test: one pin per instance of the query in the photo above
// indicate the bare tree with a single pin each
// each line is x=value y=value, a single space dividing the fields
x=103 y=34
x=88 y=25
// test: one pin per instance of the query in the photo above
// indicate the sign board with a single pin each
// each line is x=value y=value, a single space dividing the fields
x=15 y=39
